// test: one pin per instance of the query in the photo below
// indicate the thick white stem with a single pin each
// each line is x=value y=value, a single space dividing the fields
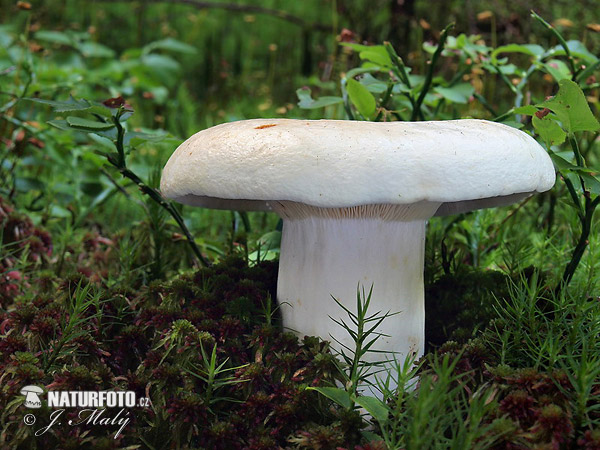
x=330 y=256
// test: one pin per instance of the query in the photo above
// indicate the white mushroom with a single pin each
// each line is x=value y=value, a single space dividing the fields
x=355 y=198
x=32 y=398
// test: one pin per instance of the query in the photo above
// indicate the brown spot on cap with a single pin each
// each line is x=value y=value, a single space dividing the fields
x=260 y=127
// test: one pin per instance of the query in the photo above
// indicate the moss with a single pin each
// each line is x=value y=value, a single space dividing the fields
x=149 y=341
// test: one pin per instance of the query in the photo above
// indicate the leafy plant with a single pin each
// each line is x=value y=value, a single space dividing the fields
x=82 y=308
x=109 y=124
x=358 y=372
x=215 y=376
x=565 y=117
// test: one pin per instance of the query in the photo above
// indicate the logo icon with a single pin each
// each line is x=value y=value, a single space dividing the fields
x=32 y=396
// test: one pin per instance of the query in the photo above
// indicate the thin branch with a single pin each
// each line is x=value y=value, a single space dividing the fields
x=429 y=77
x=582 y=243
x=562 y=42
x=398 y=64
x=155 y=195
x=485 y=104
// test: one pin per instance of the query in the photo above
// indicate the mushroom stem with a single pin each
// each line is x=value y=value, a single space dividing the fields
x=324 y=255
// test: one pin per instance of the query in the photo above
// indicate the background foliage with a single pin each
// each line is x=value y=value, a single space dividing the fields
x=101 y=286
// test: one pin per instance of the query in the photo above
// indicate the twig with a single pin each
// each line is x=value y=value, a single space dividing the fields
x=586 y=214
x=398 y=64
x=154 y=194
x=505 y=79
x=438 y=51
x=582 y=243
x=485 y=104
x=561 y=40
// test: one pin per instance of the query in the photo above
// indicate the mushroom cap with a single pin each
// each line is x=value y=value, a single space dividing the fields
x=35 y=389
x=462 y=164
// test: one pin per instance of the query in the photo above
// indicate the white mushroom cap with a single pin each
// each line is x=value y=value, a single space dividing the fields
x=35 y=389
x=462 y=164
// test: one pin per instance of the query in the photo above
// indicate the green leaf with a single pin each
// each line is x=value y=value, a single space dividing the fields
x=6 y=35
x=339 y=396
x=160 y=68
x=510 y=69
x=375 y=407
x=101 y=110
x=59 y=211
x=135 y=138
x=365 y=68
x=592 y=182
x=160 y=94
x=373 y=84
x=101 y=141
x=571 y=108
x=459 y=93
x=558 y=69
x=267 y=255
x=528 y=110
x=376 y=54
x=584 y=75
x=560 y=163
x=24 y=184
x=68 y=106
x=95 y=50
x=400 y=88
x=60 y=124
x=467 y=44
x=527 y=49
x=307 y=102
x=577 y=49
x=357 y=47
x=55 y=37
x=171 y=45
x=270 y=240
x=88 y=125
x=513 y=123
x=415 y=82
x=549 y=130
x=361 y=97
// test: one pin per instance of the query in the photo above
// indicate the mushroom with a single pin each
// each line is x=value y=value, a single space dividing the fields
x=355 y=198
x=32 y=399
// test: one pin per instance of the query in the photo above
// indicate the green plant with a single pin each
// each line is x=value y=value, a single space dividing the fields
x=583 y=371
x=546 y=328
x=215 y=376
x=442 y=413
x=82 y=307
x=358 y=372
x=110 y=117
